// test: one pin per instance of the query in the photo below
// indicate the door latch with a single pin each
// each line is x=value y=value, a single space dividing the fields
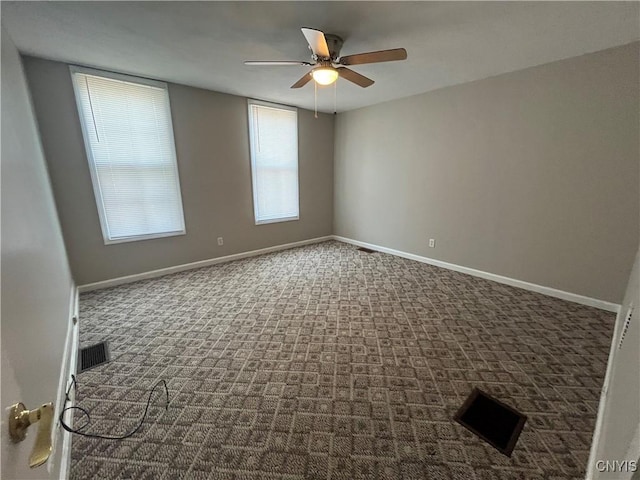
x=19 y=420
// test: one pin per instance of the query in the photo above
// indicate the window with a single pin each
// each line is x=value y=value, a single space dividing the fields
x=126 y=124
x=273 y=132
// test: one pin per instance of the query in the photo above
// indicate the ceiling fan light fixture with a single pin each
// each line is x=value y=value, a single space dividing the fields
x=325 y=75
x=326 y=53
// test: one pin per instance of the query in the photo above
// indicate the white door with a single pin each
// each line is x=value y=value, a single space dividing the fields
x=36 y=284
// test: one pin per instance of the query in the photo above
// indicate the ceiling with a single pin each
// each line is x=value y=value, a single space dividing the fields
x=204 y=44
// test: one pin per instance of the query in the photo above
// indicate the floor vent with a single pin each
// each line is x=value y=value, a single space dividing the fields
x=493 y=421
x=93 y=356
x=366 y=250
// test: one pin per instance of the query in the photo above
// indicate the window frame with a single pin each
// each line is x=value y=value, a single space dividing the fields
x=97 y=192
x=276 y=106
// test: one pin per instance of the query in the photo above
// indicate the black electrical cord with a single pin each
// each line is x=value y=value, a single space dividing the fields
x=78 y=431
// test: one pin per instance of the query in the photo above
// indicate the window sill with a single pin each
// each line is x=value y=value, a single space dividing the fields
x=143 y=237
x=277 y=220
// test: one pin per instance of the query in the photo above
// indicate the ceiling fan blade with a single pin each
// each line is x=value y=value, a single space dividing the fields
x=303 y=81
x=277 y=62
x=375 y=57
x=317 y=42
x=355 y=77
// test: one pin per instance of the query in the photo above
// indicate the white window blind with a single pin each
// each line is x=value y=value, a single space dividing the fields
x=128 y=135
x=274 y=162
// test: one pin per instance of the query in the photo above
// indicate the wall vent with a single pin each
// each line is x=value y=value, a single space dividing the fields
x=625 y=326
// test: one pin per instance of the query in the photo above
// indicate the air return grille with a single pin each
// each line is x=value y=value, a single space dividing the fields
x=93 y=356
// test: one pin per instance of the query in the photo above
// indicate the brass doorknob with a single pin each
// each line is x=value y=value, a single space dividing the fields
x=19 y=420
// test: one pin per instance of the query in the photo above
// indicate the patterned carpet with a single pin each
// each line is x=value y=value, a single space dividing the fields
x=323 y=362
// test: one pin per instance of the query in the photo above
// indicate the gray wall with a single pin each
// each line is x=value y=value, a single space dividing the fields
x=621 y=413
x=533 y=174
x=212 y=146
x=36 y=281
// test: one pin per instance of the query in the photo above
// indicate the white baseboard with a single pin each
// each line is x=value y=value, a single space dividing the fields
x=62 y=438
x=202 y=263
x=552 y=292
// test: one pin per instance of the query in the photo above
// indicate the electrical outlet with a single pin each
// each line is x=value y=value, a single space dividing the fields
x=432 y=243
x=220 y=241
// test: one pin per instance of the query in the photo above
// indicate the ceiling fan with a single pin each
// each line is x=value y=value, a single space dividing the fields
x=329 y=65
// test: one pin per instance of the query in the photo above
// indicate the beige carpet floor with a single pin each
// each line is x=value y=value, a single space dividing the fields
x=323 y=362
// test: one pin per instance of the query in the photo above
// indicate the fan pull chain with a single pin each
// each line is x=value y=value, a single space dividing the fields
x=335 y=96
x=315 y=98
